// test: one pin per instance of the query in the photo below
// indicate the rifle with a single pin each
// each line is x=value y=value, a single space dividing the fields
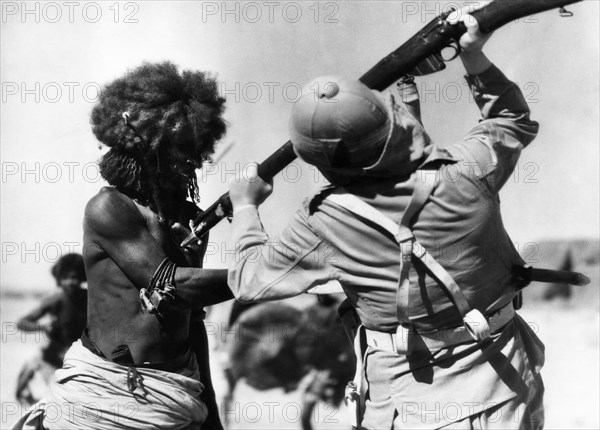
x=421 y=55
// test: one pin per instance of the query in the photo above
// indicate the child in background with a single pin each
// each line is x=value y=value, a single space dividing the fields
x=67 y=309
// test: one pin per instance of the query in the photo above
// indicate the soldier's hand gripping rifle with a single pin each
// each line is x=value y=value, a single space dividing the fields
x=420 y=55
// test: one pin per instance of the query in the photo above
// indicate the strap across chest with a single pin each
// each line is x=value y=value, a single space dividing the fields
x=426 y=182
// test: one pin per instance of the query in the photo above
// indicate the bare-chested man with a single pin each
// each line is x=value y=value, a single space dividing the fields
x=143 y=360
x=66 y=309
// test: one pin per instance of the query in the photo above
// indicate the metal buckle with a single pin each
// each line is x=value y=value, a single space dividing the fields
x=477 y=325
x=403 y=340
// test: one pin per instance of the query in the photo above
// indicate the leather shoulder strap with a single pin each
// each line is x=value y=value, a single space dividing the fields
x=426 y=183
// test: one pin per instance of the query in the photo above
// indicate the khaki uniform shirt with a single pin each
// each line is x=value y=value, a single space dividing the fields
x=460 y=226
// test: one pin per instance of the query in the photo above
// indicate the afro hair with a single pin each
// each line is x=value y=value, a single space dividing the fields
x=173 y=123
x=68 y=263
x=182 y=109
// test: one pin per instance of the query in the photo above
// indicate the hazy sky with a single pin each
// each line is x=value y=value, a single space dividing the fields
x=55 y=57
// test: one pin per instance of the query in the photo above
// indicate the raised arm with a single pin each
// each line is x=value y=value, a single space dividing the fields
x=116 y=226
x=505 y=128
x=472 y=42
x=264 y=269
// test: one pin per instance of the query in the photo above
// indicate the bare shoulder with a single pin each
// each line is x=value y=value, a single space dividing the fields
x=111 y=213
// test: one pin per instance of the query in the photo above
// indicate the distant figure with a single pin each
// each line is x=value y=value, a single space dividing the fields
x=279 y=346
x=67 y=309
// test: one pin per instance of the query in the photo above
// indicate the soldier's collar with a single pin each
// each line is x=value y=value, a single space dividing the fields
x=435 y=153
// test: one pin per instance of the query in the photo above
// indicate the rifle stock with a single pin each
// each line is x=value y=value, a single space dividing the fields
x=420 y=55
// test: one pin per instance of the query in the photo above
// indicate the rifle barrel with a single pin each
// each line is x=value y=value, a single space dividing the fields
x=385 y=73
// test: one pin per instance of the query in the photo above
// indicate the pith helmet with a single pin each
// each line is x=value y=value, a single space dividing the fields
x=346 y=130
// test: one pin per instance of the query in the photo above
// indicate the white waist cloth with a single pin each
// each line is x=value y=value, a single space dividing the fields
x=93 y=393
